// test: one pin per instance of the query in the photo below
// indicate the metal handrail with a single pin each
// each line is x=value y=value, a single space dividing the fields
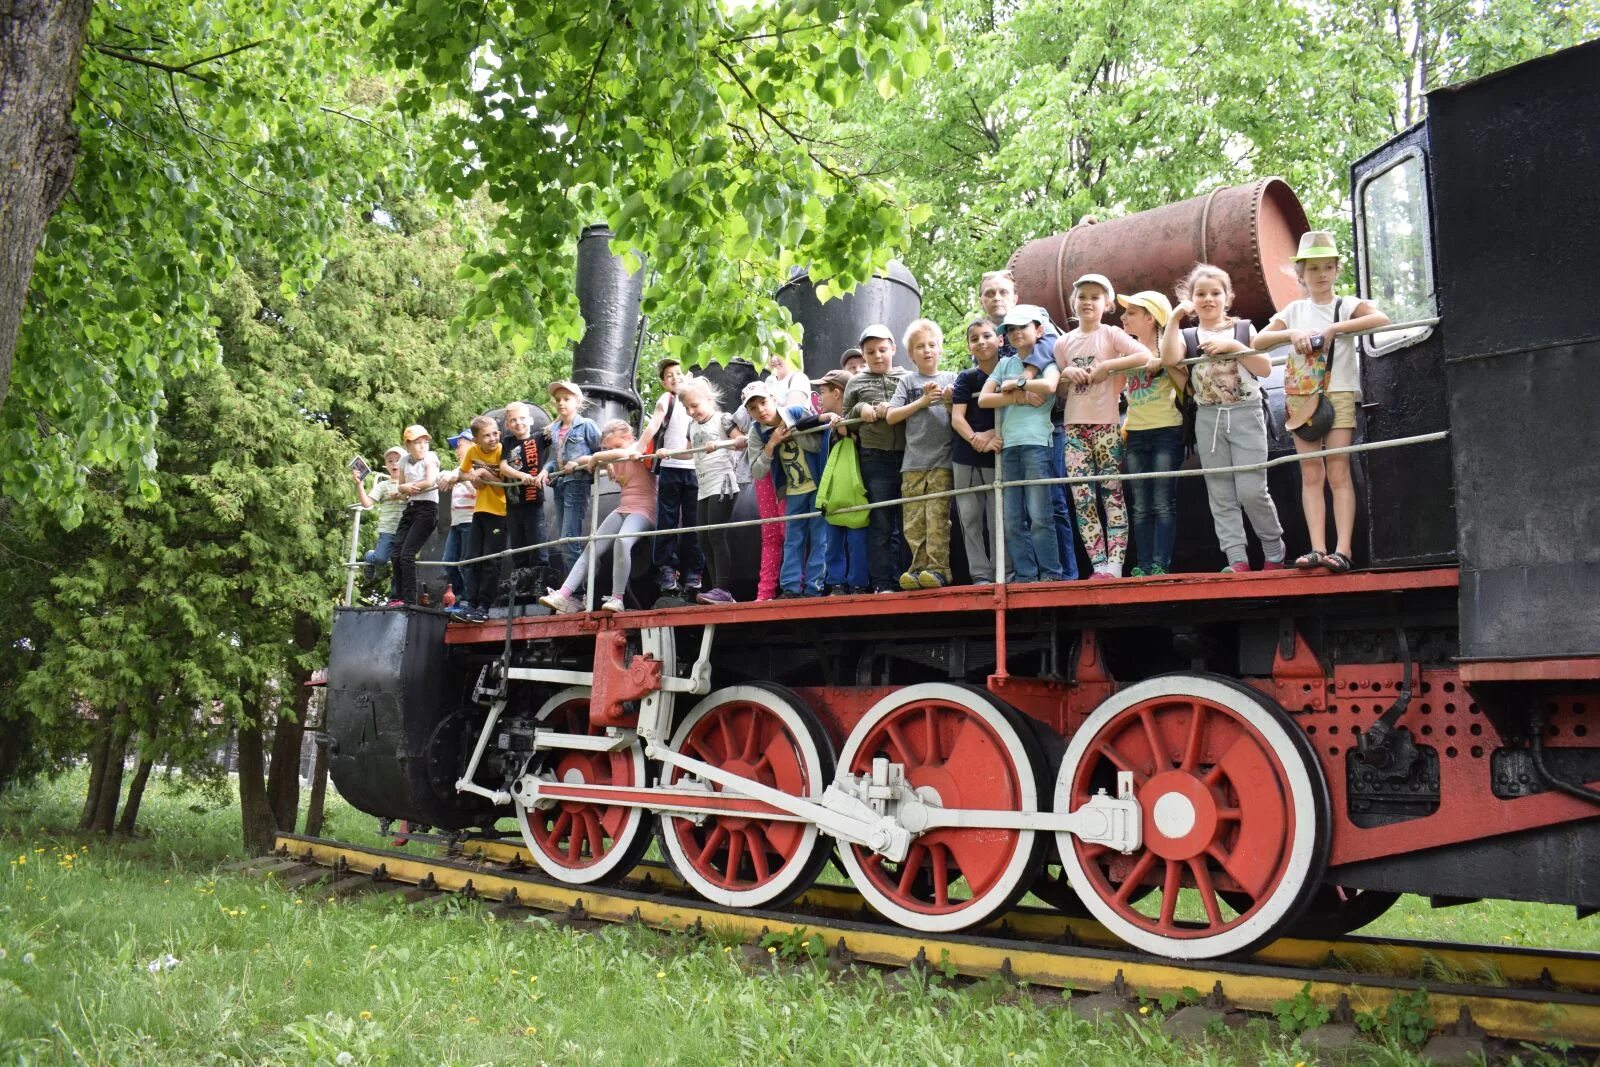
x=996 y=488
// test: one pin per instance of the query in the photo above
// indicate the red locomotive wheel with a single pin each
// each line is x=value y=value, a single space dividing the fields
x=578 y=842
x=961 y=748
x=1234 y=823
x=767 y=734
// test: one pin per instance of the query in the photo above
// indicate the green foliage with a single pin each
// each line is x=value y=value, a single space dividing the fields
x=1106 y=108
x=1300 y=1014
x=251 y=154
x=1405 y=1020
x=199 y=605
x=795 y=944
x=689 y=126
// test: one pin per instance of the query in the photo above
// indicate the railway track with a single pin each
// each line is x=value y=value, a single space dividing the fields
x=1513 y=994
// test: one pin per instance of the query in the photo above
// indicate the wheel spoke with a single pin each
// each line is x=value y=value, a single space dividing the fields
x=1135 y=877
x=908 y=869
x=1208 y=892
x=1197 y=734
x=597 y=833
x=1170 y=885
x=752 y=737
x=941 y=875
x=574 y=845
x=758 y=853
x=908 y=755
x=1159 y=759
x=735 y=854
x=560 y=826
x=930 y=723
x=1121 y=762
x=725 y=728
x=713 y=842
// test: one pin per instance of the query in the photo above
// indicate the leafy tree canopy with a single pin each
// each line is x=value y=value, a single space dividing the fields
x=209 y=131
x=690 y=126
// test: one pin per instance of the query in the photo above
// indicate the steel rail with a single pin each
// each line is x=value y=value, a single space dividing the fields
x=1534 y=1014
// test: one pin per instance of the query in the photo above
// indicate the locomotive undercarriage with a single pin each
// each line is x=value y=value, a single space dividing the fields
x=1199 y=780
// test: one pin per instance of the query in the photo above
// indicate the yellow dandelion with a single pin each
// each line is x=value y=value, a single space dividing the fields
x=472 y=1018
x=369 y=947
x=366 y=1015
x=533 y=978
x=1144 y=1009
x=772 y=950
x=308 y=961
x=661 y=974
x=530 y=1030
x=22 y=861
x=1301 y=1063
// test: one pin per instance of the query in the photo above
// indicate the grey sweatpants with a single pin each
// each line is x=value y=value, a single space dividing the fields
x=1229 y=435
x=977 y=519
x=621 y=553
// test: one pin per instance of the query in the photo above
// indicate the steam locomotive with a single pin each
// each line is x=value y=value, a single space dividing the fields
x=1203 y=762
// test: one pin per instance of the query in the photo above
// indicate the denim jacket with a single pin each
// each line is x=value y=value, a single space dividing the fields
x=582 y=440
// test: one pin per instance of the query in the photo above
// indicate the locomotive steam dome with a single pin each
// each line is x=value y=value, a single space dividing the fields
x=1250 y=231
x=894 y=299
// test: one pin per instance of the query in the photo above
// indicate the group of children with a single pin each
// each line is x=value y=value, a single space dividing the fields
x=1036 y=403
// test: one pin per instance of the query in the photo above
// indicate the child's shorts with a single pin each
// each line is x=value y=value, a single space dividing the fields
x=1344 y=410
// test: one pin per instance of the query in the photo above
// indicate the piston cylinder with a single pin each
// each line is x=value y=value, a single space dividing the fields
x=1250 y=231
x=893 y=299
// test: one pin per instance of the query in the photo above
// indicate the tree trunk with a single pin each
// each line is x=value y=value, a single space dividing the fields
x=141 y=775
x=98 y=752
x=319 y=771
x=259 y=827
x=105 y=814
x=41 y=42
x=283 y=776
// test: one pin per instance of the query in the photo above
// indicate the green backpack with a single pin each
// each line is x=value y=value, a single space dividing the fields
x=842 y=486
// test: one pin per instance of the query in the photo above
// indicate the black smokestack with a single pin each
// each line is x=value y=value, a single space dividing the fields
x=605 y=362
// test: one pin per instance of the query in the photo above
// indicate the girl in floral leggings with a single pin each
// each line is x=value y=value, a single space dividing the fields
x=1091 y=359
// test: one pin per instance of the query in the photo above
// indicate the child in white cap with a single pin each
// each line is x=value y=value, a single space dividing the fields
x=571 y=437
x=1323 y=362
x=1230 y=430
x=1092 y=358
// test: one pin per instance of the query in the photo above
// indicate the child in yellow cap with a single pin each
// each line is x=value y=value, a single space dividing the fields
x=1155 y=436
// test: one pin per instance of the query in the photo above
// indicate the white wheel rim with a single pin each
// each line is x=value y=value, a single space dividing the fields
x=794 y=721
x=1269 y=915
x=633 y=825
x=979 y=909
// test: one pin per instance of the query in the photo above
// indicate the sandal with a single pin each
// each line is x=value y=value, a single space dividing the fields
x=1310 y=559
x=1337 y=562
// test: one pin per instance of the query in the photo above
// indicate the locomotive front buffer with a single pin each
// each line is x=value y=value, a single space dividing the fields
x=880 y=811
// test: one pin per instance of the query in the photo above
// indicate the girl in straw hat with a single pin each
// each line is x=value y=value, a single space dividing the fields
x=1322 y=362
x=1155 y=436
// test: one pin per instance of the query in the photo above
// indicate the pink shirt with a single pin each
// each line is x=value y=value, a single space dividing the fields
x=638 y=484
x=1089 y=405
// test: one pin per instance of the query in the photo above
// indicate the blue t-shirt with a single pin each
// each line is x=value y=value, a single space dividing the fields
x=1020 y=424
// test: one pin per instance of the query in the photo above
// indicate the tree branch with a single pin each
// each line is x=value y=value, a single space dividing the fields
x=798 y=139
x=186 y=69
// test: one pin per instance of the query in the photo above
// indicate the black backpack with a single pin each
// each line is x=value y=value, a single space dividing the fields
x=1184 y=399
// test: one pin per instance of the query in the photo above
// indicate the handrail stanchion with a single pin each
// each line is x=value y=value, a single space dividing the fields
x=589 y=546
x=1001 y=585
x=350 y=564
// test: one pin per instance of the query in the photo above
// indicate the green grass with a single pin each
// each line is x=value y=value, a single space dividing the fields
x=271 y=976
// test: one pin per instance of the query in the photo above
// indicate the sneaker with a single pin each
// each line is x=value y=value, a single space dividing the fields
x=667 y=578
x=791 y=594
x=909 y=581
x=455 y=609
x=886 y=588
x=1242 y=567
x=983 y=581
x=839 y=590
x=560 y=603
x=474 y=615
x=1156 y=570
x=860 y=590
x=612 y=603
x=395 y=603
x=1101 y=576
x=692 y=584
x=932 y=580
x=1138 y=572
x=1274 y=565
x=716 y=596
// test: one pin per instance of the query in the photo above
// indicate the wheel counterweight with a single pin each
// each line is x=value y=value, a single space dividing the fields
x=961 y=748
x=767 y=734
x=575 y=841
x=1235 y=821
